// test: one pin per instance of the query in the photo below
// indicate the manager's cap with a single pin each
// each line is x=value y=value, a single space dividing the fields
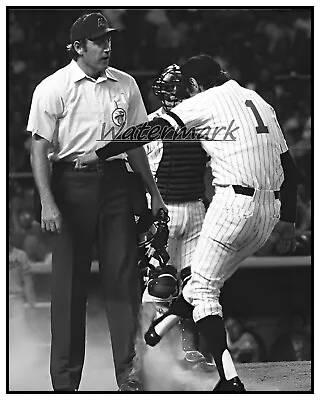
x=90 y=26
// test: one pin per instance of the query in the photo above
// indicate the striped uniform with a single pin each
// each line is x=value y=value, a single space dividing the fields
x=241 y=134
x=186 y=217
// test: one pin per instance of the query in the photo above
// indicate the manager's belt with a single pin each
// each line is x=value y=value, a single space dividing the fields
x=248 y=191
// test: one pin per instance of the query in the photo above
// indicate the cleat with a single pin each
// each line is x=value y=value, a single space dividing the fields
x=194 y=357
x=196 y=361
x=232 y=385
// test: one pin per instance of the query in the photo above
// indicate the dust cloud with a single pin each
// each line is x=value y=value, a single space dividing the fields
x=162 y=366
x=28 y=348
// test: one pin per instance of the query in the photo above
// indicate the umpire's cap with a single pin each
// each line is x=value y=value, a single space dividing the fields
x=90 y=26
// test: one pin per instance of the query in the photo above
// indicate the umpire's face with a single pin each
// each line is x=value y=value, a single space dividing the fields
x=96 y=54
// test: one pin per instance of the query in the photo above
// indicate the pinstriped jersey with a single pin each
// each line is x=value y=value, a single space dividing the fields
x=240 y=131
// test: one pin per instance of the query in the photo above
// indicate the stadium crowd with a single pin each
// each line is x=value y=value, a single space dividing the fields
x=268 y=51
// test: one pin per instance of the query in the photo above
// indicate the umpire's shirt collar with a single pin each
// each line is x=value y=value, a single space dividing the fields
x=78 y=74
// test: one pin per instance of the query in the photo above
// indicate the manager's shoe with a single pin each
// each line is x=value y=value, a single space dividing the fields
x=232 y=385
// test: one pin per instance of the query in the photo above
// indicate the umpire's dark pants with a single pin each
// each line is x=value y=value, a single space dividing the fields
x=94 y=206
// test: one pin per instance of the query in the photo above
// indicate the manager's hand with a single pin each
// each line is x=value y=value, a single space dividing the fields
x=85 y=159
x=286 y=237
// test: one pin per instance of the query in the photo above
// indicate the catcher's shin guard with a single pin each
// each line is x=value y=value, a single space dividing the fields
x=179 y=309
x=189 y=335
x=159 y=327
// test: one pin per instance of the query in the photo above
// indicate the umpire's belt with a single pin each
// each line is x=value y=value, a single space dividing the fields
x=99 y=166
x=248 y=191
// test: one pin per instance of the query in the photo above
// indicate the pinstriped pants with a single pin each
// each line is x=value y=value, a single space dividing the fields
x=185 y=225
x=235 y=227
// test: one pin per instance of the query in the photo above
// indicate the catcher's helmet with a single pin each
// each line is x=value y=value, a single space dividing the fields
x=162 y=284
x=167 y=85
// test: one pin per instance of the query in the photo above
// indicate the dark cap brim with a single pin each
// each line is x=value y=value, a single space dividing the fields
x=106 y=31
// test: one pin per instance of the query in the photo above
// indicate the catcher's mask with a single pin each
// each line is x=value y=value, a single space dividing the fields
x=167 y=85
x=153 y=230
x=153 y=235
x=146 y=234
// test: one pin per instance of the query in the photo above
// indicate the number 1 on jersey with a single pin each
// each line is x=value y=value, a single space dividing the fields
x=261 y=128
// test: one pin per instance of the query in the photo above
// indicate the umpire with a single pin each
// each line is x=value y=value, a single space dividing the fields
x=75 y=111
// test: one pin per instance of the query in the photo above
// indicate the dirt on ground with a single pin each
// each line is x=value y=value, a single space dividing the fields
x=163 y=369
x=290 y=376
x=30 y=351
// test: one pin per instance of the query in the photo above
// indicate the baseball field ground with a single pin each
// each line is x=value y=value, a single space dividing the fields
x=29 y=365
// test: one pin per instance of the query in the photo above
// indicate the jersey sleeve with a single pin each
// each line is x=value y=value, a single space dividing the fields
x=281 y=139
x=282 y=143
x=154 y=151
x=46 y=109
x=191 y=113
x=136 y=112
x=152 y=146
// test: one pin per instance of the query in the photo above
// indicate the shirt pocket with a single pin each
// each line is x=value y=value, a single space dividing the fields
x=119 y=109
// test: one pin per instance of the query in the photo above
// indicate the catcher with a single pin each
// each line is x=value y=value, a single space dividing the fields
x=179 y=171
x=162 y=284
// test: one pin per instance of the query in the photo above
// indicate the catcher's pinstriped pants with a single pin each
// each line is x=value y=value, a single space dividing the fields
x=184 y=229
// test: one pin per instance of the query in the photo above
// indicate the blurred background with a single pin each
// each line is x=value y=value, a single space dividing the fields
x=269 y=51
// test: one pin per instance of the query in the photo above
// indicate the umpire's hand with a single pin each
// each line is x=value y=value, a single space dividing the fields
x=286 y=243
x=51 y=220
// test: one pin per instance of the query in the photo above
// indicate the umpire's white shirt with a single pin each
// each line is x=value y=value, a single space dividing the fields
x=79 y=114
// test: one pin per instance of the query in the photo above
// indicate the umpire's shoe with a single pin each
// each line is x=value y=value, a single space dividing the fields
x=232 y=385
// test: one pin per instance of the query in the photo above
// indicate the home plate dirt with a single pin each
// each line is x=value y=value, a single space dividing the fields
x=29 y=365
x=292 y=376
x=167 y=375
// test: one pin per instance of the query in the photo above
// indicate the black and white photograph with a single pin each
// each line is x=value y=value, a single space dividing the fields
x=159 y=199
